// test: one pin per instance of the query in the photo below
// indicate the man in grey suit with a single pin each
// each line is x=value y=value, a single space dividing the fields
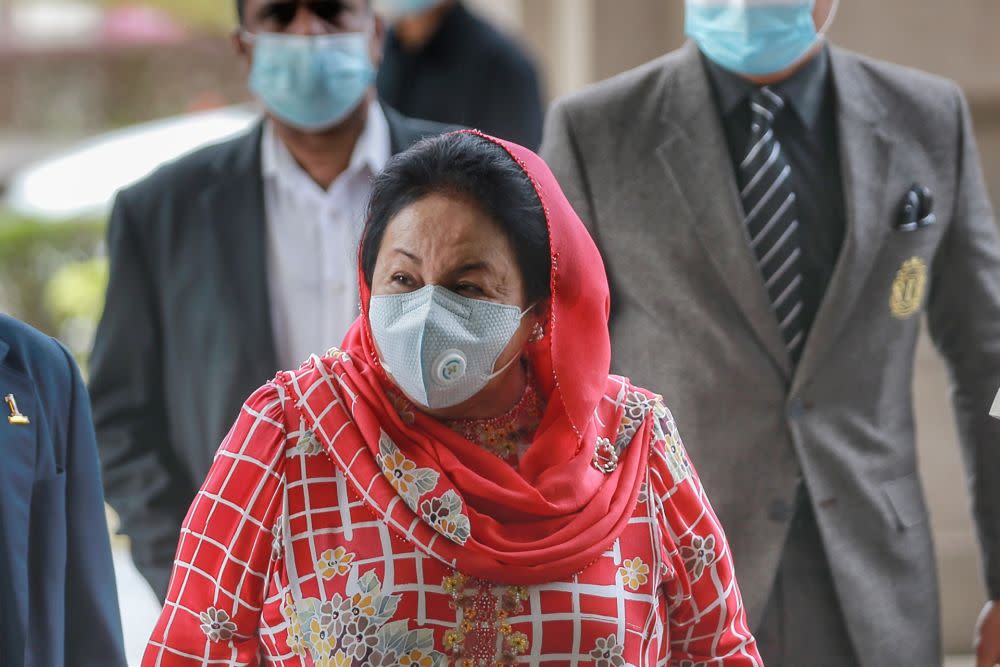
x=775 y=215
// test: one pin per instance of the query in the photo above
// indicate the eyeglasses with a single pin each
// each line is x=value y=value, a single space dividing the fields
x=281 y=13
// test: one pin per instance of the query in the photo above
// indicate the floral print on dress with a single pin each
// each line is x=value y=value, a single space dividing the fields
x=340 y=659
x=692 y=663
x=416 y=658
x=665 y=433
x=216 y=625
x=636 y=406
x=333 y=562
x=608 y=652
x=361 y=637
x=321 y=637
x=276 y=541
x=699 y=555
x=634 y=573
x=409 y=481
x=356 y=630
x=444 y=514
x=308 y=444
x=294 y=639
x=338 y=354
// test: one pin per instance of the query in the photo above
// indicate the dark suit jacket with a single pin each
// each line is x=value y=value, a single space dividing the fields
x=469 y=74
x=58 y=604
x=186 y=332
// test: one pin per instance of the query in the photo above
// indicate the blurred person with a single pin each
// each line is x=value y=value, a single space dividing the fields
x=444 y=63
x=237 y=260
x=58 y=603
x=776 y=215
x=462 y=483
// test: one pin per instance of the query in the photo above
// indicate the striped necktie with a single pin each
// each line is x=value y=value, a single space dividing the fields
x=772 y=218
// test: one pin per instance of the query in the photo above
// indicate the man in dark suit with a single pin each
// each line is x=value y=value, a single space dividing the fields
x=444 y=63
x=237 y=261
x=58 y=605
x=776 y=216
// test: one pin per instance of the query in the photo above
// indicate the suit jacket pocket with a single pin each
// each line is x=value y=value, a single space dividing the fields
x=906 y=500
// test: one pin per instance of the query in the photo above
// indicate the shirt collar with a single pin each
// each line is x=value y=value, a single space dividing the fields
x=805 y=91
x=372 y=150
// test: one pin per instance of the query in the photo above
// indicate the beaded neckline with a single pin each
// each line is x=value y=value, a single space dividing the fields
x=510 y=434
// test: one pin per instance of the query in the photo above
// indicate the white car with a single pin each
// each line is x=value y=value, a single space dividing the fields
x=82 y=181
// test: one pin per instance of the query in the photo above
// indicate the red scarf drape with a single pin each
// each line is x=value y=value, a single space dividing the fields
x=557 y=513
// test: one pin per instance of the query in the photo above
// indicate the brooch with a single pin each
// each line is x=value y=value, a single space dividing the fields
x=605 y=456
x=15 y=418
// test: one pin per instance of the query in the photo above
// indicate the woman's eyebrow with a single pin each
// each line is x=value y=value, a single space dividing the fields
x=469 y=267
x=407 y=254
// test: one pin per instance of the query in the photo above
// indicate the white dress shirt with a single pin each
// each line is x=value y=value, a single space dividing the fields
x=312 y=240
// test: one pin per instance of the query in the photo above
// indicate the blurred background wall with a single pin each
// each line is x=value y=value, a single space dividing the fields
x=72 y=69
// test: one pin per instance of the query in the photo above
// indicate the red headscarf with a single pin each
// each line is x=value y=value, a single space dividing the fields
x=557 y=513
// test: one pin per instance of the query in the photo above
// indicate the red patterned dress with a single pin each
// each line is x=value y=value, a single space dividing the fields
x=292 y=556
x=341 y=527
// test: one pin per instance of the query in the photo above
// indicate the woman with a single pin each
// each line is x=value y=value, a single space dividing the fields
x=463 y=483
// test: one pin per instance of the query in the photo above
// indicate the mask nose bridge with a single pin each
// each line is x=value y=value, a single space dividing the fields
x=448 y=300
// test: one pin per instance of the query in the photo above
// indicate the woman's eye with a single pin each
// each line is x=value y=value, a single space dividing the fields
x=467 y=288
x=401 y=279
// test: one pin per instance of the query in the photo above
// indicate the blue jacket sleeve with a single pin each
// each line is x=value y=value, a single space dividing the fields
x=93 y=623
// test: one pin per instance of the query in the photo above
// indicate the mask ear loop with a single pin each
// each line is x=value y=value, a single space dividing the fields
x=517 y=356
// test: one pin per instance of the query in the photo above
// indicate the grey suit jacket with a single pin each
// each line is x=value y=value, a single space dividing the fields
x=644 y=160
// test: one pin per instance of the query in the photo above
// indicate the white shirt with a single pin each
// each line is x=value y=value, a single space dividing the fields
x=312 y=241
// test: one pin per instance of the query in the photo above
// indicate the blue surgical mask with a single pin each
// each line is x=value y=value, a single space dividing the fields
x=439 y=347
x=311 y=82
x=752 y=37
x=394 y=9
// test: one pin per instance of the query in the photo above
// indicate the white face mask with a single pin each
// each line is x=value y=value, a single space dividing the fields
x=439 y=347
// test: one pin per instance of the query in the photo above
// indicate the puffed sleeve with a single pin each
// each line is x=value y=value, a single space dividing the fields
x=707 y=622
x=223 y=559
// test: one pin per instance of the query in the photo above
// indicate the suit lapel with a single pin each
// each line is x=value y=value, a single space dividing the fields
x=18 y=447
x=700 y=175
x=234 y=216
x=867 y=155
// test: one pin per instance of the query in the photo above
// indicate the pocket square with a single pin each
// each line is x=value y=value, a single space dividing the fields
x=917 y=209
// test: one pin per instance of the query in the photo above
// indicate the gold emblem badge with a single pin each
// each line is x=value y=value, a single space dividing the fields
x=908 y=289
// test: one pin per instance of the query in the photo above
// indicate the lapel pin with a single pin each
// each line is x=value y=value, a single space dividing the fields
x=15 y=418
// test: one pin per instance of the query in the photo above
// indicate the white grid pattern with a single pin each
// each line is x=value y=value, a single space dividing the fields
x=260 y=480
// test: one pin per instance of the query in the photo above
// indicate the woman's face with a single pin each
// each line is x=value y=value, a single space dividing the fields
x=451 y=242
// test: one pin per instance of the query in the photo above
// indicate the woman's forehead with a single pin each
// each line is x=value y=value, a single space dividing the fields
x=440 y=220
